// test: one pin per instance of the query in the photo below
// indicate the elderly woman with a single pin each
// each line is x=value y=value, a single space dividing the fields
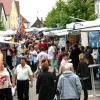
x=69 y=85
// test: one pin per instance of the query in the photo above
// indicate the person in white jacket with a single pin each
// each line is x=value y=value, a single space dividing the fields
x=69 y=85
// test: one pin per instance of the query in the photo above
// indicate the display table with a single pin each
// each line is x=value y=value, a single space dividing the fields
x=92 y=79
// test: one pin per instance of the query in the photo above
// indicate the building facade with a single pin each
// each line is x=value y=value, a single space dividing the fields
x=11 y=13
x=3 y=17
x=13 y=16
x=97 y=7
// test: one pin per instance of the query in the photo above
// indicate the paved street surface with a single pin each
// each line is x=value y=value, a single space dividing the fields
x=33 y=95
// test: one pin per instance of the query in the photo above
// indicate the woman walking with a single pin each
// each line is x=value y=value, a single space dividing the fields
x=84 y=74
x=45 y=83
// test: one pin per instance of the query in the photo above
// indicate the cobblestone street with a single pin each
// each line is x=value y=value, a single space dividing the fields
x=33 y=95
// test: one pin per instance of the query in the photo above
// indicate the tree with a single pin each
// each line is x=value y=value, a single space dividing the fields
x=60 y=15
x=57 y=16
x=83 y=9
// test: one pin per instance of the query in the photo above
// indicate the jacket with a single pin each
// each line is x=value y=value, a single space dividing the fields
x=45 y=86
x=84 y=74
x=69 y=86
x=83 y=70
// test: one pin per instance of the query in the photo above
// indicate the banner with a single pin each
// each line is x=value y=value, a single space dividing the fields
x=94 y=39
x=84 y=39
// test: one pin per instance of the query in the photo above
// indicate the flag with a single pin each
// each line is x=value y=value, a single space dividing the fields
x=22 y=29
x=19 y=23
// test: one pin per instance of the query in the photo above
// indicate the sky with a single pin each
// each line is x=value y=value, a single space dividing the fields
x=31 y=9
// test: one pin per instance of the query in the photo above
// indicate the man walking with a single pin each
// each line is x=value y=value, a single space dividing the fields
x=22 y=75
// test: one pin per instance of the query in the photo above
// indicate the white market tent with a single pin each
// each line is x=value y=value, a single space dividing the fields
x=48 y=33
x=90 y=29
x=7 y=40
x=8 y=32
x=60 y=32
x=84 y=26
x=43 y=29
x=32 y=29
x=57 y=32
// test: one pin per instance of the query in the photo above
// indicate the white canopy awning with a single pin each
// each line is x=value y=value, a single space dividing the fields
x=32 y=29
x=85 y=26
x=9 y=40
x=90 y=29
x=8 y=32
x=61 y=34
x=57 y=32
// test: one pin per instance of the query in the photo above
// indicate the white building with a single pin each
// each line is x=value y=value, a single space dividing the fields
x=97 y=7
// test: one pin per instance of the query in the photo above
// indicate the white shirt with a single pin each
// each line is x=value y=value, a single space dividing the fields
x=23 y=73
x=34 y=56
x=33 y=52
x=8 y=53
x=42 y=55
x=95 y=53
x=51 y=51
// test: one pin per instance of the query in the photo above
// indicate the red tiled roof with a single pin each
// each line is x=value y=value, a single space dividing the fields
x=17 y=6
x=7 y=6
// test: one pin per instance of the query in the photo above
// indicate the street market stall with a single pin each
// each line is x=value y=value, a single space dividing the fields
x=90 y=32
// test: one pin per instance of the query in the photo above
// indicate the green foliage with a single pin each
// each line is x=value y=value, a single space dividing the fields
x=83 y=9
x=60 y=15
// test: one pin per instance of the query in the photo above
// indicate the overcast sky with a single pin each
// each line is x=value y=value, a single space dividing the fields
x=30 y=9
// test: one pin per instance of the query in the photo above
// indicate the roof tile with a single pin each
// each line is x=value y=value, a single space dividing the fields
x=17 y=5
x=7 y=6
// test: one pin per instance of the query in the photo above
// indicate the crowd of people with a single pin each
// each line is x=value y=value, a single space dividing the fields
x=61 y=72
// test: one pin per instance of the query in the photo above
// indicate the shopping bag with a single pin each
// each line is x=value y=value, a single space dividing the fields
x=55 y=63
x=13 y=91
